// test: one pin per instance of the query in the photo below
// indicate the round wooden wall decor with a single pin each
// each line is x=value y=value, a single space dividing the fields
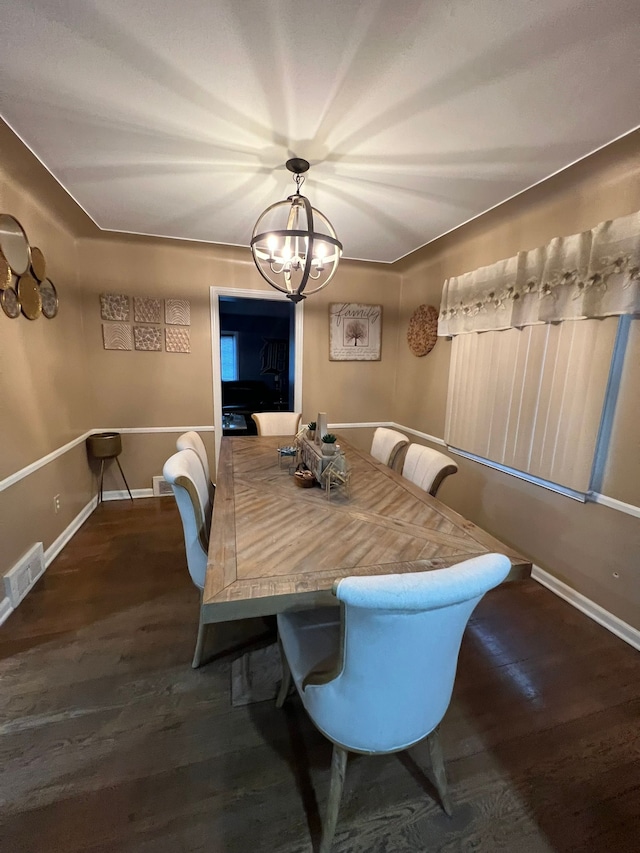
x=423 y=330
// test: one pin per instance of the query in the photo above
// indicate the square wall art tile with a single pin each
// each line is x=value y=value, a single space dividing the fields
x=114 y=306
x=177 y=312
x=147 y=338
x=177 y=340
x=146 y=310
x=117 y=336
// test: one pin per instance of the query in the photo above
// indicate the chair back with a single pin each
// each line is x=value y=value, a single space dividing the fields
x=401 y=638
x=386 y=445
x=192 y=441
x=427 y=468
x=184 y=471
x=277 y=423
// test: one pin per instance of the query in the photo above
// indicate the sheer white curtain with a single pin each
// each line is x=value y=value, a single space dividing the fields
x=592 y=274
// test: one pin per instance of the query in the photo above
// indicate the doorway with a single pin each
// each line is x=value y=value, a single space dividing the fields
x=256 y=357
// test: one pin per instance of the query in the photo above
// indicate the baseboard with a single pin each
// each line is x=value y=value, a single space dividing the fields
x=5 y=610
x=58 y=544
x=123 y=494
x=621 y=629
x=54 y=549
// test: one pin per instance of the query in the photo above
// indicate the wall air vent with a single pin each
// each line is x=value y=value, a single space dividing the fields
x=161 y=487
x=19 y=580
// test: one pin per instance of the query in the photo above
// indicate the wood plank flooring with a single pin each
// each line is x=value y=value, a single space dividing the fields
x=109 y=741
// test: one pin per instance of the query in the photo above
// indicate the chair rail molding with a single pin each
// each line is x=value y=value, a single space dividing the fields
x=612 y=503
x=585 y=605
x=12 y=479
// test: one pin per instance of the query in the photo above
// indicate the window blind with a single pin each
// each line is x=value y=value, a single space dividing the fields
x=228 y=357
x=531 y=398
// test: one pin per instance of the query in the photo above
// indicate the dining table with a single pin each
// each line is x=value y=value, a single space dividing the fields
x=274 y=546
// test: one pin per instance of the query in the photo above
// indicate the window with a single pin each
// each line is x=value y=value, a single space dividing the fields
x=229 y=356
x=538 y=353
x=531 y=399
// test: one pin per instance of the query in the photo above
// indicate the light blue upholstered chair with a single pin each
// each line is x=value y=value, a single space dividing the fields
x=427 y=467
x=185 y=473
x=192 y=441
x=379 y=678
x=387 y=444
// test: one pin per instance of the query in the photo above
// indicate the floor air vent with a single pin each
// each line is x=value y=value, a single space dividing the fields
x=19 y=580
x=161 y=487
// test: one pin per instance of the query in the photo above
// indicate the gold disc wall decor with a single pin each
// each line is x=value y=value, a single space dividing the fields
x=5 y=273
x=49 y=299
x=38 y=266
x=14 y=244
x=423 y=330
x=29 y=296
x=24 y=285
x=10 y=302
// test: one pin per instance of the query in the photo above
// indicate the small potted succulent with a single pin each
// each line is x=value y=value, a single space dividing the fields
x=328 y=444
x=311 y=429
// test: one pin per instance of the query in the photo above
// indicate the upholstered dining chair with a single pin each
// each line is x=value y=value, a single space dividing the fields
x=277 y=423
x=378 y=679
x=386 y=445
x=192 y=441
x=426 y=467
x=184 y=471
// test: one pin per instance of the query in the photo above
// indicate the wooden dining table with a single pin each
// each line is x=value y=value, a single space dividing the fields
x=274 y=546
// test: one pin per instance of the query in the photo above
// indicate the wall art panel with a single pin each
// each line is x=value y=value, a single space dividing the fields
x=117 y=336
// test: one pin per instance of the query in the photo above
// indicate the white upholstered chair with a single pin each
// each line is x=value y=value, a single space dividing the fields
x=277 y=423
x=379 y=679
x=386 y=445
x=192 y=441
x=427 y=468
x=184 y=471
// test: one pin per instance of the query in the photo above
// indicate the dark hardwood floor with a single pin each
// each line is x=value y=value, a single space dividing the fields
x=109 y=741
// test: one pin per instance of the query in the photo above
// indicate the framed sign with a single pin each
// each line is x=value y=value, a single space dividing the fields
x=355 y=331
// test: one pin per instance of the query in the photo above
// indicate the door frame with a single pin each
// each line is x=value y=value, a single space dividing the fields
x=215 y=294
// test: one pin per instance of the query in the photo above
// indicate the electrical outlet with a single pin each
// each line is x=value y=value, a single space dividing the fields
x=56 y=503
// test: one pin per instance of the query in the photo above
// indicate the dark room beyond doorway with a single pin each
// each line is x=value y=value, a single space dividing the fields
x=257 y=360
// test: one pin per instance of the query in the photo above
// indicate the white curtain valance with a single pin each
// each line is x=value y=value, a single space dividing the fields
x=592 y=274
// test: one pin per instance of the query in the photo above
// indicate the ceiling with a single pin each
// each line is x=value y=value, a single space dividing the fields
x=176 y=119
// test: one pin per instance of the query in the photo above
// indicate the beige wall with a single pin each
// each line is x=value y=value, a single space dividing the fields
x=583 y=545
x=26 y=508
x=43 y=391
x=150 y=389
x=45 y=400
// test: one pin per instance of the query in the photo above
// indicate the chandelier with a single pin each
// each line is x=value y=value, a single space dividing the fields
x=294 y=245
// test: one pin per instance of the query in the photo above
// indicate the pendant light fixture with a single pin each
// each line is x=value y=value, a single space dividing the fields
x=294 y=245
